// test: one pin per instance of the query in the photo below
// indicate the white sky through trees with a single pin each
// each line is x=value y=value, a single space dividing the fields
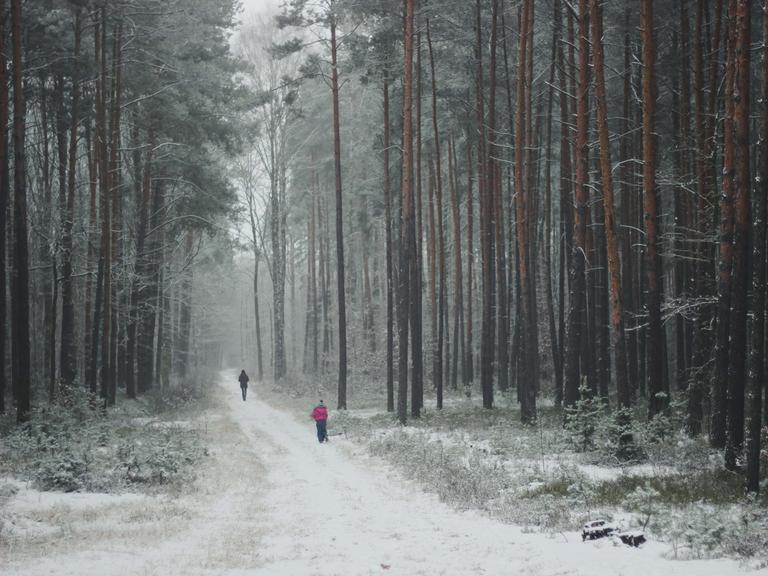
x=259 y=6
x=252 y=11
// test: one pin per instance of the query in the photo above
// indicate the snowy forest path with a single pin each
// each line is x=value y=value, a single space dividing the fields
x=331 y=510
x=333 y=514
x=330 y=514
x=272 y=501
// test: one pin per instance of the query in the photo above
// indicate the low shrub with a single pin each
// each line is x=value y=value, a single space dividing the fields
x=62 y=470
x=679 y=489
x=76 y=447
x=701 y=530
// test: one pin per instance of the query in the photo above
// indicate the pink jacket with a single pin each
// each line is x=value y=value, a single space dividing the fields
x=320 y=413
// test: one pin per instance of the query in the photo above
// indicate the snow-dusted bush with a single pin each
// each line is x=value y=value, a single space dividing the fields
x=7 y=491
x=71 y=446
x=464 y=479
x=643 y=500
x=706 y=531
x=581 y=421
x=545 y=512
x=63 y=470
x=582 y=494
x=161 y=457
x=748 y=536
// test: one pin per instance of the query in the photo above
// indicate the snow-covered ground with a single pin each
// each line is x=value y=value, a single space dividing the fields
x=276 y=502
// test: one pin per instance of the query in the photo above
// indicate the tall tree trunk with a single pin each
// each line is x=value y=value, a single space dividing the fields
x=257 y=323
x=486 y=230
x=757 y=348
x=20 y=281
x=68 y=360
x=618 y=342
x=496 y=212
x=151 y=290
x=324 y=282
x=741 y=239
x=185 y=311
x=416 y=283
x=511 y=288
x=43 y=336
x=406 y=214
x=441 y=330
x=415 y=312
x=566 y=203
x=388 y=225
x=106 y=219
x=469 y=345
x=704 y=336
x=51 y=336
x=525 y=280
x=591 y=345
x=572 y=83
x=637 y=219
x=502 y=266
x=698 y=381
x=431 y=231
x=93 y=380
x=57 y=231
x=658 y=388
x=115 y=196
x=163 y=352
x=549 y=208
x=133 y=280
x=314 y=303
x=142 y=267
x=4 y=189
x=765 y=353
x=310 y=320
x=718 y=429
x=601 y=295
x=255 y=245
x=533 y=147
x=440 y=246
x=432 y=264
x=368 y=314
x=684 y=274
x=278 y=240
x=689 y=204
x=712 y=103
x=342 y=311
x=97 y=188
x=458 y=280
x=577 y=299
x=627 y=255
x=90 y=253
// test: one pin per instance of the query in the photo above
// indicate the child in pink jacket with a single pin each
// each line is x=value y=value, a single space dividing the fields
x=320 y=415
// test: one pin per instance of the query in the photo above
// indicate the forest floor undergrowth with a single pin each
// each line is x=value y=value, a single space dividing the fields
x=545 y=478
x=182 y=526
x=268 y=499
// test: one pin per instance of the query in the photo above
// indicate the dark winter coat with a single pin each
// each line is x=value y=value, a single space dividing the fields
x=243 y=378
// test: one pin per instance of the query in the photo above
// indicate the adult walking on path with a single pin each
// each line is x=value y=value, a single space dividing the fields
x=320 y=415
x=243 y=378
